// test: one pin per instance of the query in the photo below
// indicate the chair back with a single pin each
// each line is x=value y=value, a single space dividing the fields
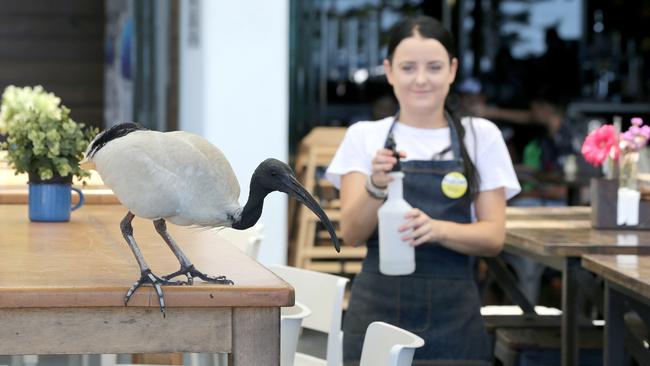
x=388 y=345
x=323 y=294
x=290 y=323
x=248 y=241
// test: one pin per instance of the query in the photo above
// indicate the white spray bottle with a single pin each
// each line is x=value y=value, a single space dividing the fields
x=396 y=257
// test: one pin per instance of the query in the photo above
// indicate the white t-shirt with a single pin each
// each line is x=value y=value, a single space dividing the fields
x=483 y=140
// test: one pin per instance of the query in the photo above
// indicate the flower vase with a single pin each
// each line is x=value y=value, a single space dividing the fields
x=604 y=206
x=627 y=207
x=610 y=167
x=627 y=173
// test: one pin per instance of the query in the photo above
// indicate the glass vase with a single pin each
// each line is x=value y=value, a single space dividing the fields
x=627 y=174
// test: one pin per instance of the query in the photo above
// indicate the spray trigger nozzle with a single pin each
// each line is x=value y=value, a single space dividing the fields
x=391 y=145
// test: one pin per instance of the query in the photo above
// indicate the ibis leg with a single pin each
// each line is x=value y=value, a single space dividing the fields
x=187 y=268
x=146 y=276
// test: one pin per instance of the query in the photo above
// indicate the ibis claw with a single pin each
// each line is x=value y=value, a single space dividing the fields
x=190 y=272
x=148 y=277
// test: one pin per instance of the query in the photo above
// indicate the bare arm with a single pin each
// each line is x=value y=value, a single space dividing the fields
x=484 y=237
x=358 y=209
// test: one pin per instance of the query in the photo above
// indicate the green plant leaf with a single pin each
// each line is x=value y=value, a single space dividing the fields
x=41 y=137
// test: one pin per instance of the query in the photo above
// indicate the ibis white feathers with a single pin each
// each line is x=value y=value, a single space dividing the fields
x=182 y=178
x=177 y=176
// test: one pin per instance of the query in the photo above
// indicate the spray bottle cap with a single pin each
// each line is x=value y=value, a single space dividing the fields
x=391 y=145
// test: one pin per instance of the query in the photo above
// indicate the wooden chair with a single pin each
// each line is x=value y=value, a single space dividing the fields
x=388 y=345
x=541 y=346
x=310 y=248
x=323 y=294
x=306 y=221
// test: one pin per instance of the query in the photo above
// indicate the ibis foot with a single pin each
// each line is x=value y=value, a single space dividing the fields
x=190 y=272
x=148 y=277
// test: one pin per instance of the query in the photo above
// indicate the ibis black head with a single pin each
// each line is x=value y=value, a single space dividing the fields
x=111 y=134
x=273 y=175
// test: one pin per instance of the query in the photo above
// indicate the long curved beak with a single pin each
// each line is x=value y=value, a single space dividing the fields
x=293 y=188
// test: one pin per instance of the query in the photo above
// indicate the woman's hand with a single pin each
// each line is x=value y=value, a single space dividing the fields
x=484 y=237
x=420 y=228
x=382 y=163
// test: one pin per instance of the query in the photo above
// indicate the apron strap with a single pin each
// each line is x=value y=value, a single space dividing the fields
x=389 y=142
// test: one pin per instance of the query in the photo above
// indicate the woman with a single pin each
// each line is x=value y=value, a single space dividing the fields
x=440 y=301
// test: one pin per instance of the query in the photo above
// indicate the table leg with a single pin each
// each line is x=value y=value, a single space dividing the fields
x=573 y=196
x=256 y=336
x=509 y=284
x=570 y=350
x=614 y=329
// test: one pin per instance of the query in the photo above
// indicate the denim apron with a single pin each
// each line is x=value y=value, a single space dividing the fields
x=440 y=300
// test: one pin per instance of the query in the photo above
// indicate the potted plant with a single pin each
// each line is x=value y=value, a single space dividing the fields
x=616 y=200
x=44 y=142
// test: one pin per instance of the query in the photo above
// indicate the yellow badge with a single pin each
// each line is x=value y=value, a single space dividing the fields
x=454 y=185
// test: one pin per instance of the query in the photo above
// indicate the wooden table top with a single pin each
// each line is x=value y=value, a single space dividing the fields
x=567 y=232
x=548 y=213
x=86 y=262
x=14 y=188
x=629 y=271
x=548 y=217
x=18 y=194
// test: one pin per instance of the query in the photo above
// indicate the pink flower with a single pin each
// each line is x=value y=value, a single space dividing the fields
x=643 y=131
x=636 y=137
x=600 y=144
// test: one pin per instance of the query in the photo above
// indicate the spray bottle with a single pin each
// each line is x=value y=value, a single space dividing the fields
x=396 y=257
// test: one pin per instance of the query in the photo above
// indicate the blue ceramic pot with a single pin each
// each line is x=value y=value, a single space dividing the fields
x=50 y=202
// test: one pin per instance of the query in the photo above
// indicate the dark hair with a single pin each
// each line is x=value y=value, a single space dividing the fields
x=428 y=27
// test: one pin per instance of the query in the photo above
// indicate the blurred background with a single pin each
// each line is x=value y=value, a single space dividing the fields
x=256 y=76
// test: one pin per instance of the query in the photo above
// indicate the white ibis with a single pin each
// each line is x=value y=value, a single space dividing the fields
x=180 y=177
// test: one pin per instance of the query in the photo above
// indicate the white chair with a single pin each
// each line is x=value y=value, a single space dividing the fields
x=323 y=294
x=388 y=345
x=248 y=241
x=113 y=360
x=26 y=360
x=290 y=323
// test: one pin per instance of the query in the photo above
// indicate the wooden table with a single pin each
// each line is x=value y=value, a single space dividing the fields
x=627 y=287
x=62 y=287
x=528 y=214
x=18 y=194
x=559 y=237
x=14 y=189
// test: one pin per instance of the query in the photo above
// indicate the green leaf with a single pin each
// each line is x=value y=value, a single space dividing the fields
x=41 y=136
